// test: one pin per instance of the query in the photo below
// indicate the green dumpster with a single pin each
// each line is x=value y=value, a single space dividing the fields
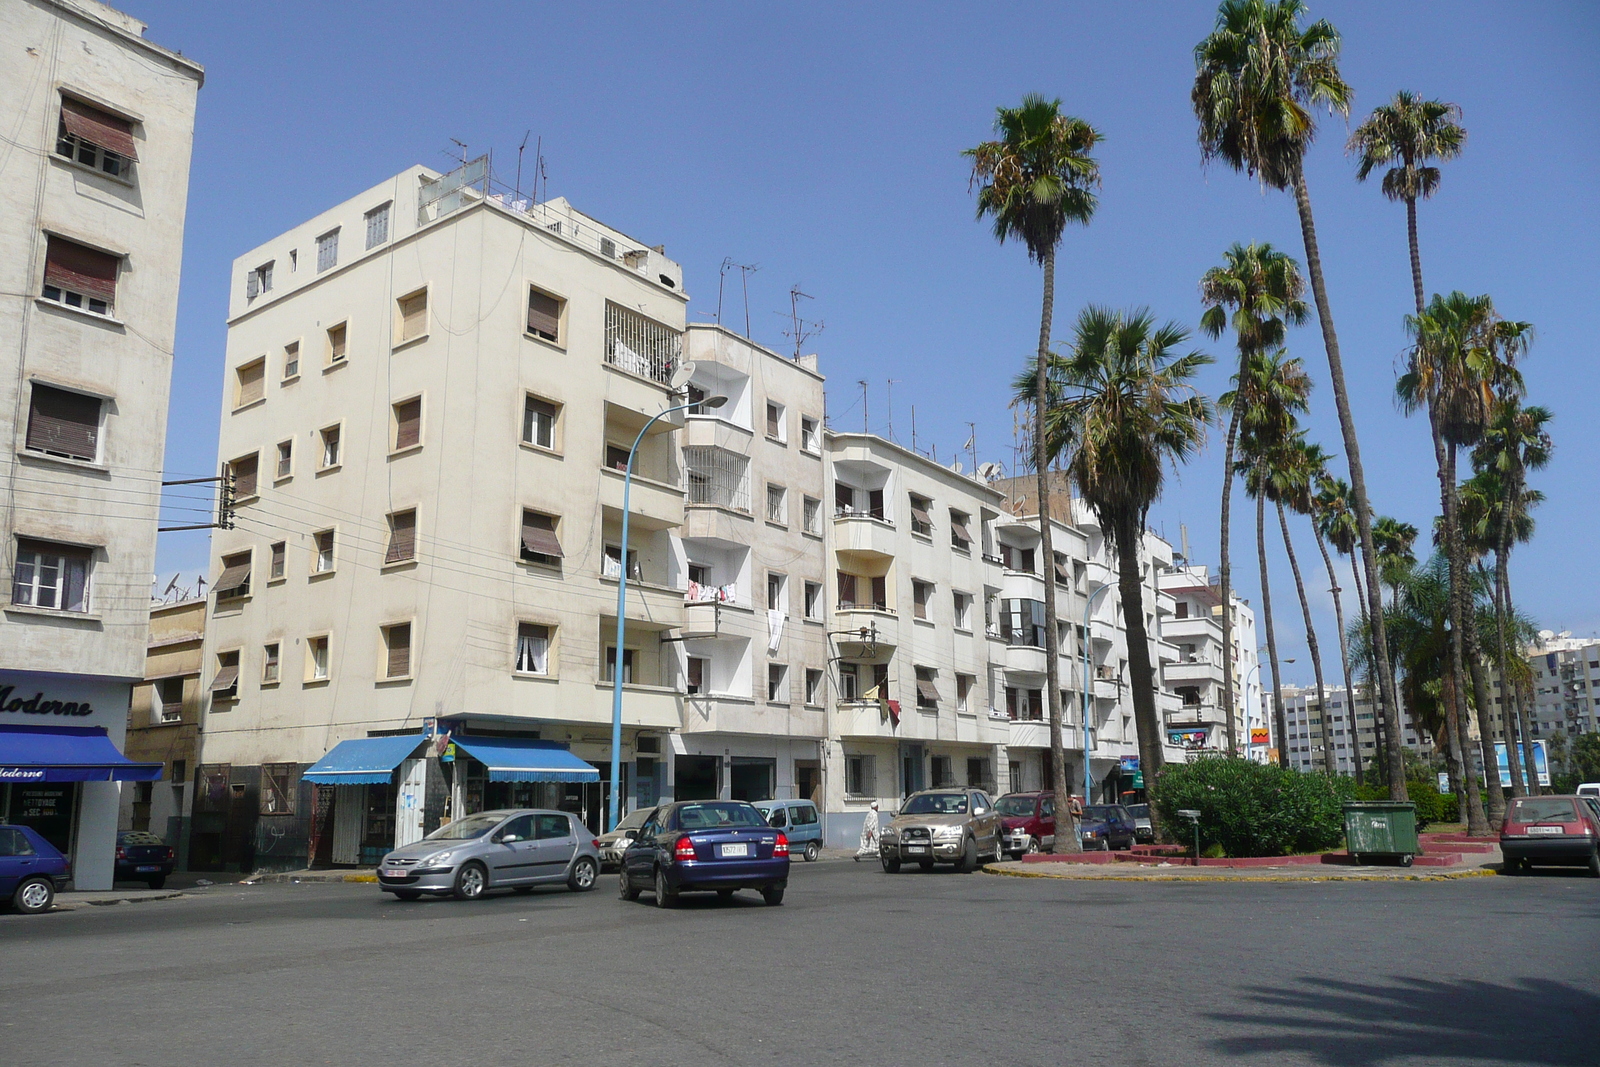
x=1381 y=829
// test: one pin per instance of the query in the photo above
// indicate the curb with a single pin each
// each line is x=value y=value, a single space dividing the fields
x=66 y=903
x=1448 y=876
x=303 y=877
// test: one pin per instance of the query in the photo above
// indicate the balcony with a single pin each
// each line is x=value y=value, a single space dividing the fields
x=861 y=533
x=1188 y=673
x=640 y=346
x=1194 y=628
x=1027 y=659
x=722 y=713
x=1195 y=716
x=653 y=505
x=856 y=619
x=1030 y=734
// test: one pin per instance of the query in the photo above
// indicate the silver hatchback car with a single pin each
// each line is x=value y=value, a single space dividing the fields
x=513 y=849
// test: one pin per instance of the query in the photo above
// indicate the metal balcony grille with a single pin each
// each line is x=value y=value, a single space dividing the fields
x=641 y=346
x=718 y=477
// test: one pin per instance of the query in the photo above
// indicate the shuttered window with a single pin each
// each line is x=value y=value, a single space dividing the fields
x=544 y=315
x=539 y=541
x=328 y=250
x=402 y=537
x=79 y=276
x=234 y=581
x=407 y=423
x=252 y=383
x=276 y=567
x=244 y=471
x=920 y=592
x=927 y=692
x=377 y=226
x=336 y=343
x=774 y=420
x=413 y=315
x=398 y=640
x=225 y=685
x=63 y=424
x=88 y=123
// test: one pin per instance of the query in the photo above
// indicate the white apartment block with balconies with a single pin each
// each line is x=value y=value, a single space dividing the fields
x=1566 y=684
x=1196 y=676
x=1304 y=723
x=99 y=125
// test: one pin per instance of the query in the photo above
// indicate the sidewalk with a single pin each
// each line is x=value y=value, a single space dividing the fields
x=85 y=898
x=1471 y=858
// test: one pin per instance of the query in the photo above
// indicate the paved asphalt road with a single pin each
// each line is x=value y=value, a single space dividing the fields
x=856 y=967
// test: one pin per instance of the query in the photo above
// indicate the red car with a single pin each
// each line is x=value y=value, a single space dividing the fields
x=1554 y=830
x=1029 y=820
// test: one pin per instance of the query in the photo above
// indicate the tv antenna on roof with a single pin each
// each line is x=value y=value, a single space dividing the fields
x=462 y=145
x=801 y=330
x=520 y=148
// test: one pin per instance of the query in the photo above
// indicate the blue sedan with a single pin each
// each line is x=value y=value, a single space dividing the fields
x=719 y=846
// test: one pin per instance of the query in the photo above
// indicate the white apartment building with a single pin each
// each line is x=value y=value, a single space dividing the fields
x=94 y=181
x=1304 y=725
x=430 y=393
x=1196 y=675
x=1566 y=683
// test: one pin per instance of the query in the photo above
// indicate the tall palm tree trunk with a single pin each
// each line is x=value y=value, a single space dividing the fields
x=1330 y=763
x=1380 y=761
x=1524 y=710
x=1470 y=653
x=1069 y=840
x=1344 y=657
x=1225 y=566
x=1416 y=253
x=1130 y=588
x=1280 y=718
x=1358 y=479
x=1454 y=743
x=1508 y=710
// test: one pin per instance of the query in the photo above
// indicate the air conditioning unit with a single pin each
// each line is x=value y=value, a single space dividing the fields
x=608 y=248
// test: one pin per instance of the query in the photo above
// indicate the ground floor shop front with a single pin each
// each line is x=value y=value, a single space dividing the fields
x=862 y=770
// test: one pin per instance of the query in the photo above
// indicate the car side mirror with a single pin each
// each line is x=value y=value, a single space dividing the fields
x=629 y=835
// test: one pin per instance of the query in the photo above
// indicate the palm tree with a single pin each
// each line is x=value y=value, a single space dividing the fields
x=1037 y=177
x=1270 y=393
x=1408 y=132
x=1258 y=75
x=1396 y=559
x=1331 y=522
x=1263 y=289
x=1120 y=407
x=1291 y=468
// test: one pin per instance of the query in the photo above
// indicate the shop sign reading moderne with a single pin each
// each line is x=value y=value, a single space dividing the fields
x=38 y=705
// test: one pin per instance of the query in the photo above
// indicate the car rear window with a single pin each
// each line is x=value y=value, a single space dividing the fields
x=138 y=837
x=1543 y=809
x=1022 y=806
x=712 y=816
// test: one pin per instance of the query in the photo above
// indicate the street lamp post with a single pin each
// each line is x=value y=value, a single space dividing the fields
x=1088 y=684
x=1244 y=696
x=622 y=611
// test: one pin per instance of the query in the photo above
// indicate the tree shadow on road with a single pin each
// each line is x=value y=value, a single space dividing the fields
x=1361 y=1024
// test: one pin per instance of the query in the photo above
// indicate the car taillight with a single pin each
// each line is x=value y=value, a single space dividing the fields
x=683 y=850
x=122 y=854
x=170 y=853
x=781 y=847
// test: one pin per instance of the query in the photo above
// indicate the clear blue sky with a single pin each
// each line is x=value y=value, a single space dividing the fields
x=822 y=143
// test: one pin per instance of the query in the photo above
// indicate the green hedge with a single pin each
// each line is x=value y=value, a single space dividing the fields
x=1432 y=805
x=1253 y=809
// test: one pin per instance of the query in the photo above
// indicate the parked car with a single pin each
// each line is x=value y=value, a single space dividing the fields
x=1589 y=789
x=1028 y=820
x=512 y=848
x=31 y=870
x=143 y=857
x=612 y=843
x=943 y=826
x=703 y=846
x=798 y=819
x=1553 y=830
x=1106 y=827
x=1144 y=831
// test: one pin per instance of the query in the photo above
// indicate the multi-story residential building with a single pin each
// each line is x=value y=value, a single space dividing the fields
x=1196 y=675
x=754 y=643
x=430 y=395
x=99 y=126
x=164 y=723
x=915 y=701
x=1304 y=724
x=1566 y=683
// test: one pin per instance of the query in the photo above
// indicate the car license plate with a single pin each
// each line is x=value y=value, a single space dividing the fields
x=916 y=848
x=730 y=851
x=1546 y=829
x=147 y=870
x=393 y=872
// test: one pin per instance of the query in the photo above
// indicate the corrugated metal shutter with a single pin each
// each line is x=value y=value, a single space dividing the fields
x=244 y=476
x=399 y=650
x=960 y=533
x=64 y=423
x=70 y=265
x=414 y=316
x=97 y=127
x=232 y=579
x=544 y=315
x=227 y=678
x=927 y=692
x=402 y=537
x=539 y=535
x=349 y=816
x=408 y=423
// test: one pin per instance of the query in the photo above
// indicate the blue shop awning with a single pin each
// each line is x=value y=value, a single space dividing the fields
x=67 y=754
x=522 y=759
x=363 y=760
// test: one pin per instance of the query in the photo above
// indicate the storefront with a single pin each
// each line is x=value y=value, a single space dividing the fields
x=488 y=773
x=371 y=796
x=60 y=764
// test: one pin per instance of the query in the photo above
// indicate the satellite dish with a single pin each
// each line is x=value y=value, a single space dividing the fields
x=957 y=467
x=990 y=471
x=681 y=376
x=1564 y=634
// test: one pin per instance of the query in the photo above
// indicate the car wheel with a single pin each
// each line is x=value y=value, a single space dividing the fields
x=969 y=856
x=471 y=881
x=584 y=872
x=408 y=894
x=1594 y=864
x=889 y=866
x=1511 y=866
x=625 y=887
x=1033 y=846
x=156 y=883
x=34 y=895
x=773 y=895
x=813 y=850
x=665 y=897
x=1406 y=860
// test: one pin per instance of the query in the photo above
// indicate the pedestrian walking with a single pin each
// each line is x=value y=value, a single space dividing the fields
x=869 y=834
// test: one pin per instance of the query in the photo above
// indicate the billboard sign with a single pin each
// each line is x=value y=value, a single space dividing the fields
x=1260 y=735
x=1541 y=763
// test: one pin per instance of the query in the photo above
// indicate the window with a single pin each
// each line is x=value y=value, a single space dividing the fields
x=294 y=260
x=234 y=580
x=777 y=682
x=269 y=664
x=279 y=784
x=920 y=592
x=921 y=521
x=1016 y=559
x=963 y=610
x=258 y=281
x=328 y=250
x=977 y=772
x=337 y=338
x=860 y=775
x=533 y=648
x=80 y=277
x=243 y=471
x=408 y=423
x=696 y=669
x=1181 y=610
x=397 y=644
x=813 y=686
x=63 y=424
x=169 y=700
x=95 y=138
x=285 y=467
x=317 y=658
x=413 y=316
x=1024 y=704
x=1063 y=571
x=811 y=515
x=943 y=777
x=641 y=345
x=617 y=458
x=777 y=592
x=275 y=568
x=852 y=588
x=612 y=567
x=402 y=537
x=225 y=684
x=539 y=422
x=539 y=541
x=960 y=536
x=611 y=665
x=377 y=226
x=291 y=360
x=927 y=692
x=544 y=315
x=775 y=426
x=963 y=691
x=777 y=504
x=1022 y=622
x=810 y=439
x=849 y=682
x=813 y=605
x=330 y=447
x=324 y=543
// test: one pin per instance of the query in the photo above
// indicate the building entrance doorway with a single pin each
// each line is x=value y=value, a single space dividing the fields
x=696 y=778
x=808 y=780
x=751 y=779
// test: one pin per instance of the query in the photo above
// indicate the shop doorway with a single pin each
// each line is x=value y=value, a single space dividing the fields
x=808 y=780
x=696 y=778
x=910 y=770
x=751 y=779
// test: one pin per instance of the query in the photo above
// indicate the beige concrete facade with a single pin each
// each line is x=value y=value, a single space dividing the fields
x=164 y=722
x=95 y=182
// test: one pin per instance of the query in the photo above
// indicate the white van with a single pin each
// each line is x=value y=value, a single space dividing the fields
x=1589 y=789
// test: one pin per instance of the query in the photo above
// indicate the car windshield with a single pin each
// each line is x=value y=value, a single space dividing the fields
x=466 y=829
x=1545 y=809
x=635 y=819
x=1099 y=812
x=713 y=816
x=1014 y=805
x=1139 y=811
x=936 y=804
